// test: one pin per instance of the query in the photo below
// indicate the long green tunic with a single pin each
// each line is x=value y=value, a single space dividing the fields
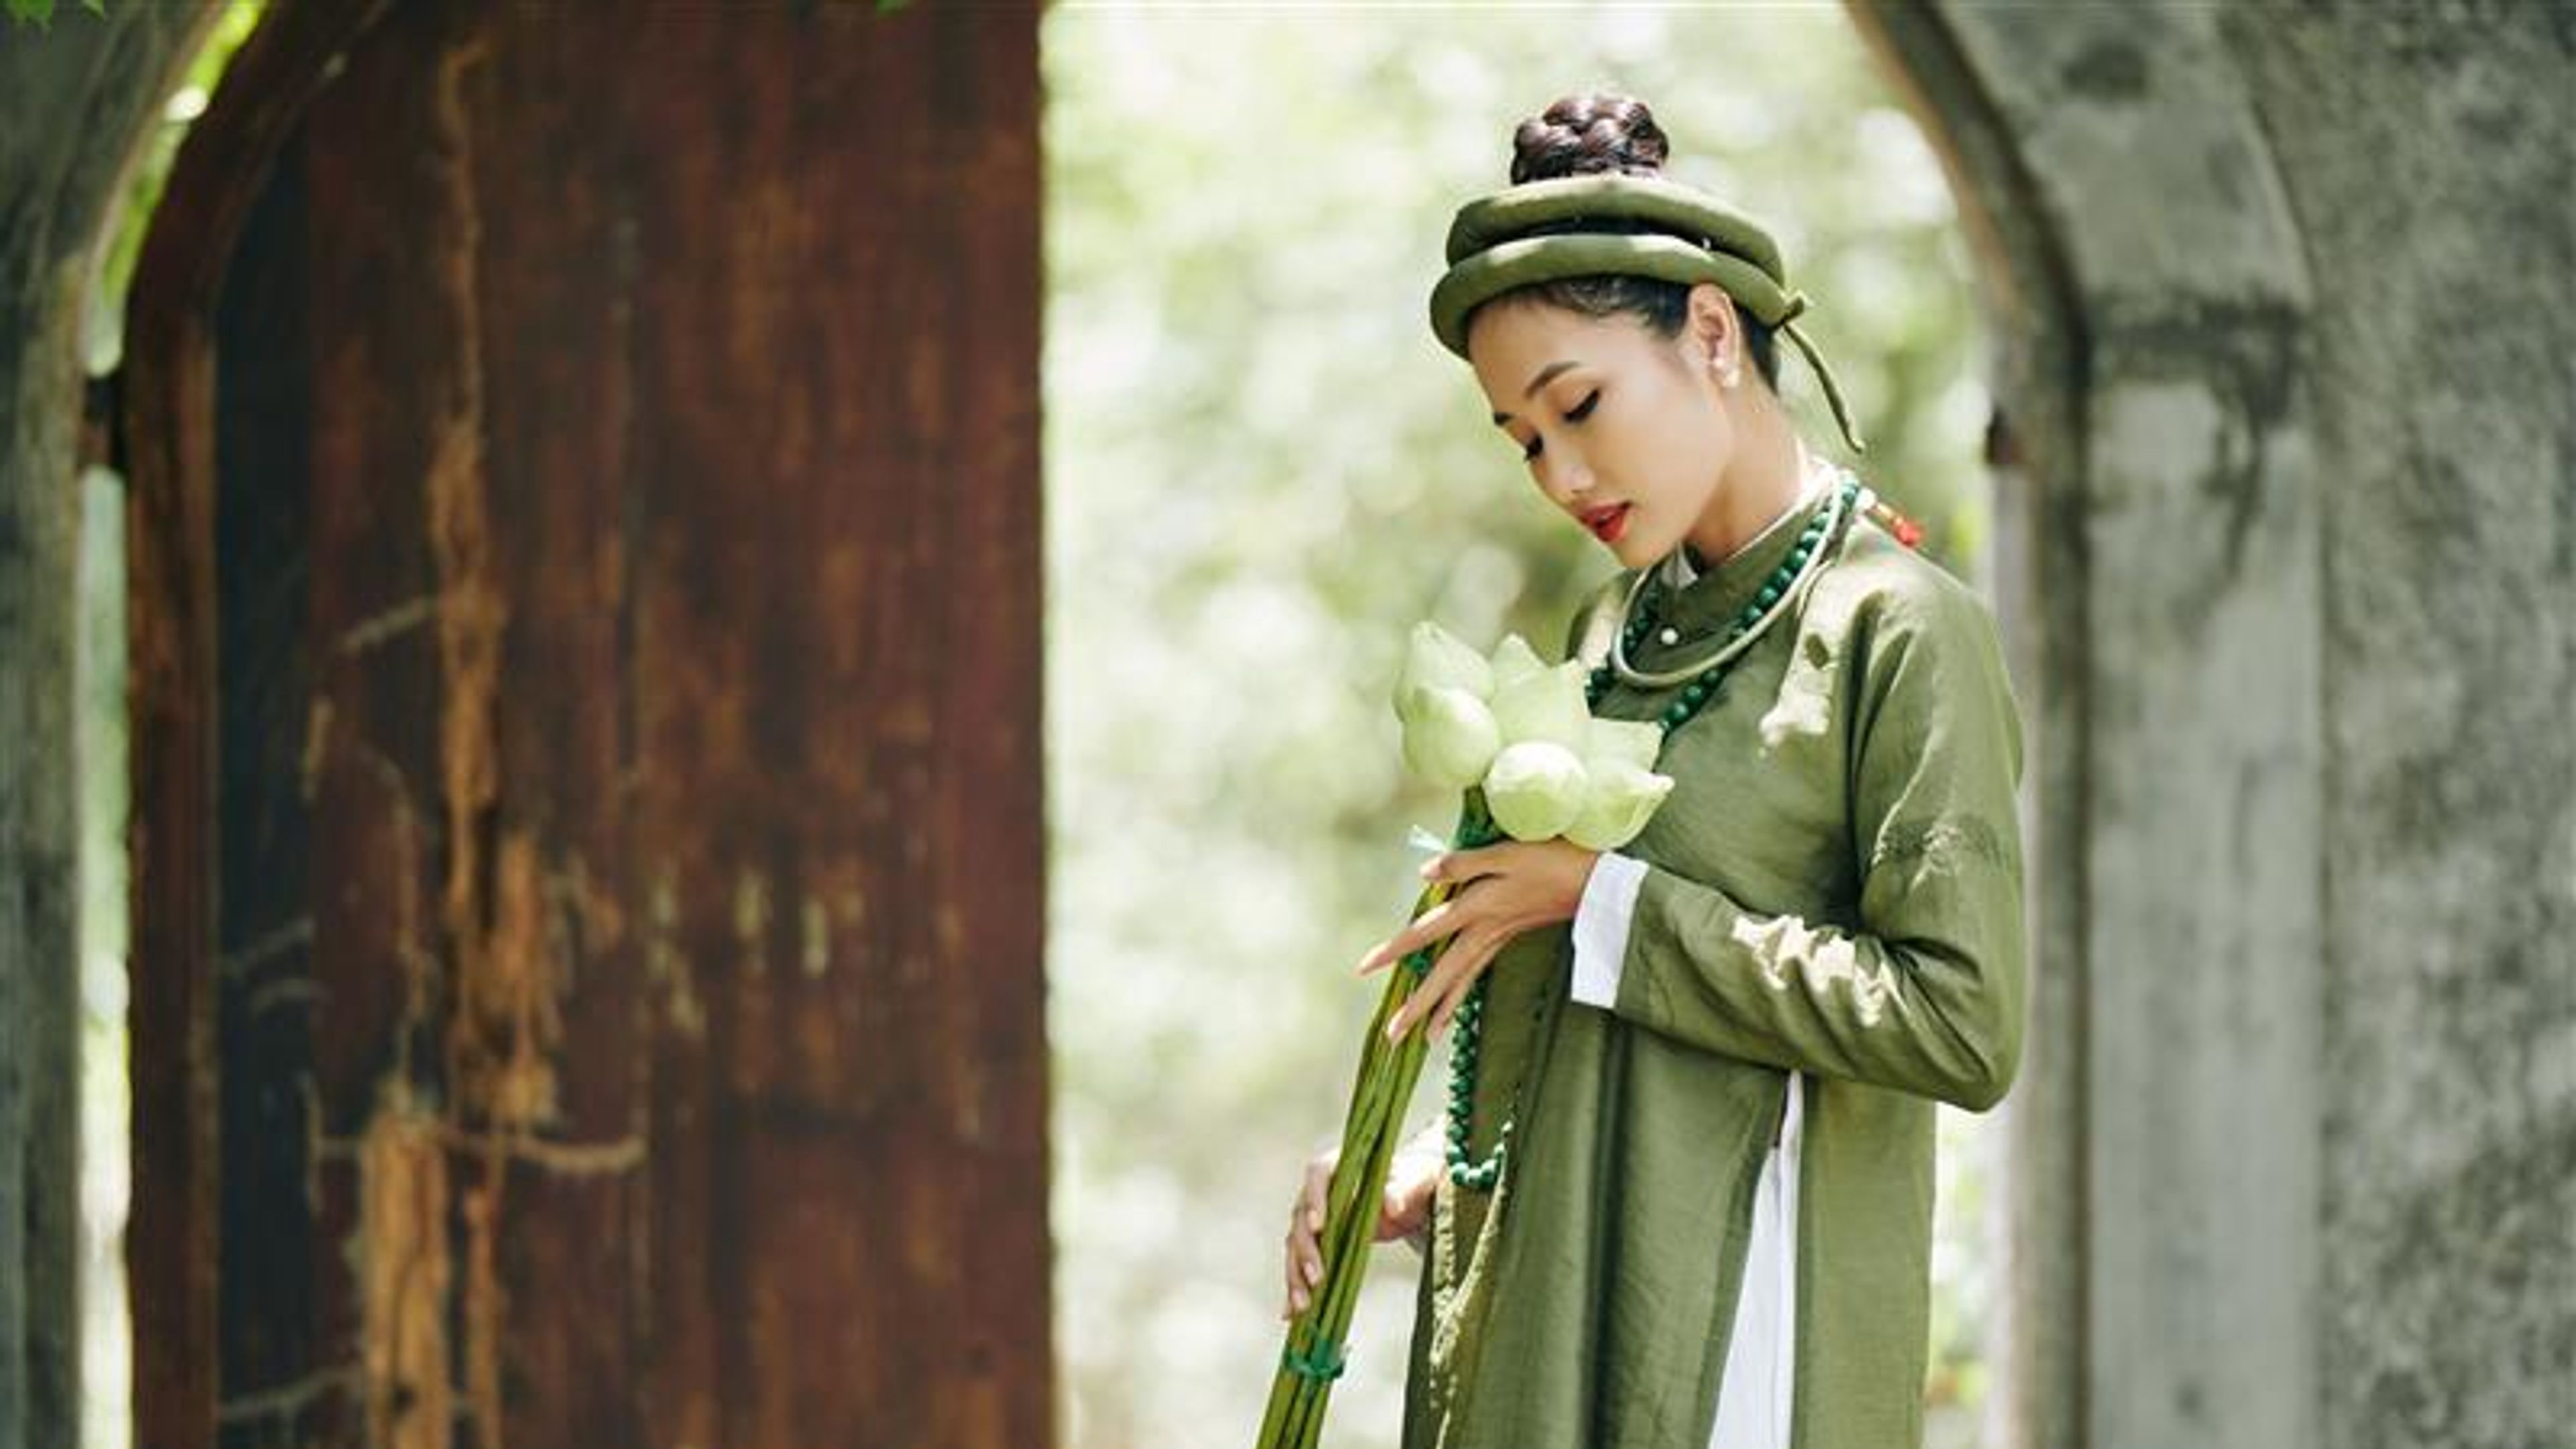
x=1833 y=886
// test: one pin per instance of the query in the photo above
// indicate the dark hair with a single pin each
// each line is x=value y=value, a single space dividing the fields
x=1604 y=131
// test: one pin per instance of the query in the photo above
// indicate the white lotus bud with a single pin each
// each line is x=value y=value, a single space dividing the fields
x=1636 y=742
x=1545 y=704
x=1513 y=659
x=1449 y=736
x=1616 y=803
x=1535 y=789
x=1435 y=657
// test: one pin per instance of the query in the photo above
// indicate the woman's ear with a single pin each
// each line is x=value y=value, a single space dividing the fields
x=1714 y=336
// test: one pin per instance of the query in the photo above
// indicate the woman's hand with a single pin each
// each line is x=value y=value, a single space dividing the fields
x=1510 y=887
x=1401 y=1211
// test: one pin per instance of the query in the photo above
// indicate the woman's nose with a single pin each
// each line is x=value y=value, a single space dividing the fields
x=1565 y=478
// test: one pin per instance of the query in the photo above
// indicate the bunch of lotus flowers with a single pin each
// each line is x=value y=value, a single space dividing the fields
x=1517 y=735
x=1522 y=732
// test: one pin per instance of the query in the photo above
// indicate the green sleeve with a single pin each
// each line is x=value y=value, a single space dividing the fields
x=1925 y=994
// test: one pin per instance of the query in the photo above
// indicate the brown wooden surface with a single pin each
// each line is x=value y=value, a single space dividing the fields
x=587 y=662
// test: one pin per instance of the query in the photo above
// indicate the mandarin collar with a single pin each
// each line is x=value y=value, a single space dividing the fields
x=1698 y=600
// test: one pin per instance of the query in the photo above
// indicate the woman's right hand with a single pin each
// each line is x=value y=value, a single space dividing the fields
x=1402 y=1210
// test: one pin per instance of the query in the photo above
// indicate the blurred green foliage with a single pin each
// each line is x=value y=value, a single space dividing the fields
x=103 y=330
x=1261 y=470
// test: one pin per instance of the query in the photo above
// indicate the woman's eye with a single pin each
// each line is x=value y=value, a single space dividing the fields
x=1578 y=413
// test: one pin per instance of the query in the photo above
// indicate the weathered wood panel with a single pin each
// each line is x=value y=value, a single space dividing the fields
x=610 y=569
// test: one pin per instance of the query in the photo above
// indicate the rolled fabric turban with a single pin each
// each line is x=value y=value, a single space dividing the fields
x=1542 y=231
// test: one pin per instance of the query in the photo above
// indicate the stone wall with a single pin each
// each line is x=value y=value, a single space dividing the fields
x=2429 y=153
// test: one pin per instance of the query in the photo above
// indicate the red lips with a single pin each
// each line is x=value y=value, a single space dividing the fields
x=1608 y=521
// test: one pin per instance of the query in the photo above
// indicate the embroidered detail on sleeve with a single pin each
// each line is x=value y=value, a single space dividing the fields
x=1947 y=840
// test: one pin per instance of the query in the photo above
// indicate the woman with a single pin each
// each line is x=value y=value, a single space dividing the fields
x=1687 y=1192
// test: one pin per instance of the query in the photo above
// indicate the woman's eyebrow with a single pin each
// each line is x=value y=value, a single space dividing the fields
x=1535 y=383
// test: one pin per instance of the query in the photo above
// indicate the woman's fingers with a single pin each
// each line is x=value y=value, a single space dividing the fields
x=1288 y=1264
x=1407 y=1200
x=1477 y=953
x=1296 y=1266
x=1305 y=1258
x=1430 y=926
x=1451 y=978
x=1455 y=992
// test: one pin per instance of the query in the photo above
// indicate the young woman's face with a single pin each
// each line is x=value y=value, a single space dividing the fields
x=1625 y=431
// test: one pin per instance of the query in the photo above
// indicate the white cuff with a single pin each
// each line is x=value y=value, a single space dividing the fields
x=1601 y=927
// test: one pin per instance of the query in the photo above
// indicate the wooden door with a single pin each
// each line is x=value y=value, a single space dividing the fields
x=588 y=837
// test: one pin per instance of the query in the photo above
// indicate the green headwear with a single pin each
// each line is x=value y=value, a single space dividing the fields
x=1534 y=232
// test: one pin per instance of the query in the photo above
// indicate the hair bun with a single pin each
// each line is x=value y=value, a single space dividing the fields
x=1579 y=134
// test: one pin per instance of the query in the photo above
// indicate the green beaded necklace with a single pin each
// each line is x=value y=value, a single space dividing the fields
x=1768 y=603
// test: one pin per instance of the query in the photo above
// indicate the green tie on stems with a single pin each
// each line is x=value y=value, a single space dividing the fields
x=1312 y=1357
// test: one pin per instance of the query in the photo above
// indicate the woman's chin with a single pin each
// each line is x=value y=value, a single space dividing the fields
x=1629 y=548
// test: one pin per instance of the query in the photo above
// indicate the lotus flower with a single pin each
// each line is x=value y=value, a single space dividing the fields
x=1512 y=659
x=1449 y=736
x=1616 y=803
x=1545 y=704
x=1637 y=742
x=1535 y=789
x=1435 y=657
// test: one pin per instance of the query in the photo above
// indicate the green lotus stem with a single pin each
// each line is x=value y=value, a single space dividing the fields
x=1388 y=1071
x=1353 y=1232
x=1381 y=1087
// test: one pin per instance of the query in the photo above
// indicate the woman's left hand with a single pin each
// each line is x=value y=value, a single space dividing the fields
x=1509 y=887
